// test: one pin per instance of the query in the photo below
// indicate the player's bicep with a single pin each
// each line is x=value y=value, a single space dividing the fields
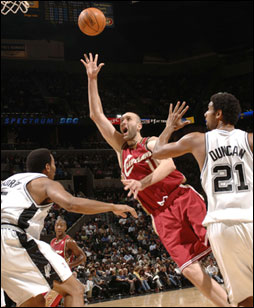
x=56 y=192
x=174 y=149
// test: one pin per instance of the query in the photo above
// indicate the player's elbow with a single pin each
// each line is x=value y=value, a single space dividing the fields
x=96 y=118
x=70 y=205
x=92 y=116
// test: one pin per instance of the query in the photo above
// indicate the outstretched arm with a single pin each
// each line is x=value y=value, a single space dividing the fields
x=108 y=131
x=56 y=192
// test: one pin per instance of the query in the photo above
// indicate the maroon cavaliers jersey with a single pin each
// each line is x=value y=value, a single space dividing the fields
x=137 y=163
x=60 y=247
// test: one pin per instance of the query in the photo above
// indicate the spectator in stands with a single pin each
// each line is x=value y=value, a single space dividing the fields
x=139 y=273
x=137 y=281
x=164 y=278
x=119 y=282
x=153 y=280
x=126 y=275
x=213 y=271
x=128 y=257
x=152 y=248
x=100 y=288
x=173 y=277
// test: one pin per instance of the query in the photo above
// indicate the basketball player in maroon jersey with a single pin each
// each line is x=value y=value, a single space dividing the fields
x=177 y=211
x=66 y=247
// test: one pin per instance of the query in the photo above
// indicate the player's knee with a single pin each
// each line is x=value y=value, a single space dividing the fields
x=187 y=271
x=75 y=288
x=191 y=270
x=78 y=289
x=70 y=287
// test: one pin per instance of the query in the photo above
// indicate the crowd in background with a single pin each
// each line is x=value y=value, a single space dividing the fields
x=65 y=94
x=124 y=256
x=56 y=95
x=95 y=161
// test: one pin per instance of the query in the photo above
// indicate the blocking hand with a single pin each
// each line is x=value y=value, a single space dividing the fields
x=91 y=66
x=174 y=120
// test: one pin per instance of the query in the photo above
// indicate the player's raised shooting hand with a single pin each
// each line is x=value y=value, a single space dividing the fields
x=91 y=66
x=175 y=120
x=121 y=209
x=134 y=187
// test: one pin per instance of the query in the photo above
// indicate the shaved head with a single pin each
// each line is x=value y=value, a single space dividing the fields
x=138 y=117
x=132 y=114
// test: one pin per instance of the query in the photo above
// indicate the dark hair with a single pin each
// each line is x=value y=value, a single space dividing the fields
x=37 y=159
x=60 y=218
x=229 y=105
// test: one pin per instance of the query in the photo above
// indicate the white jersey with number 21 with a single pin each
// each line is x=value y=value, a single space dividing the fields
x=227 y=176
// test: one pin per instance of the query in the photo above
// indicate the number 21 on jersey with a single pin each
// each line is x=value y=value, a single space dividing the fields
x=224 y=175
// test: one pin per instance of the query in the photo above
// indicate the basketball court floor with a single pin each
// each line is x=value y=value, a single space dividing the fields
x=189 y=297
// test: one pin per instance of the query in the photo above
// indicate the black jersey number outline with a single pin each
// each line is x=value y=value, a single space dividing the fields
x=220 y=181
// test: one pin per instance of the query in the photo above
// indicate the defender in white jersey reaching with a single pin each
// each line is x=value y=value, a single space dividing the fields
x=30 y=267
x=225 y=159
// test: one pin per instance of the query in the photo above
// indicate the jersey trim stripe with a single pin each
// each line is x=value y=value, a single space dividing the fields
x=196 y=258
x=247 y=144
x=189 y=186
x=146 y=142
x=154 y=161
x=206 y=158
x=26 y=215
x=38 y=258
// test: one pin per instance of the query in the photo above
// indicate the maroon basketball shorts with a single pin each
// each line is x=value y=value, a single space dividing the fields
x=179 y=226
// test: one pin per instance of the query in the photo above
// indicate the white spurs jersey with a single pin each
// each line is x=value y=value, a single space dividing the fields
x=19 y=208
x=227 y=176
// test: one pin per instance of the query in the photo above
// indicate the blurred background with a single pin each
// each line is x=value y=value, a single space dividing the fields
x=156 y=52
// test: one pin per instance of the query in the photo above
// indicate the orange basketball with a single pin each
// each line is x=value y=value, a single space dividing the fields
x=91 y=21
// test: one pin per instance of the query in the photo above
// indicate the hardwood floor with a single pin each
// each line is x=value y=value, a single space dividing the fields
x=190 y=297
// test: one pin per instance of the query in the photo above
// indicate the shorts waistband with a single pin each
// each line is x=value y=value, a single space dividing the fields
x=189 y=186
x=5 y=225
x=175 y=194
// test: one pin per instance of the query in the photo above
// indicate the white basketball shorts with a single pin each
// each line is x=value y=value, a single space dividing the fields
x=232 y=246
x=28 y=265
